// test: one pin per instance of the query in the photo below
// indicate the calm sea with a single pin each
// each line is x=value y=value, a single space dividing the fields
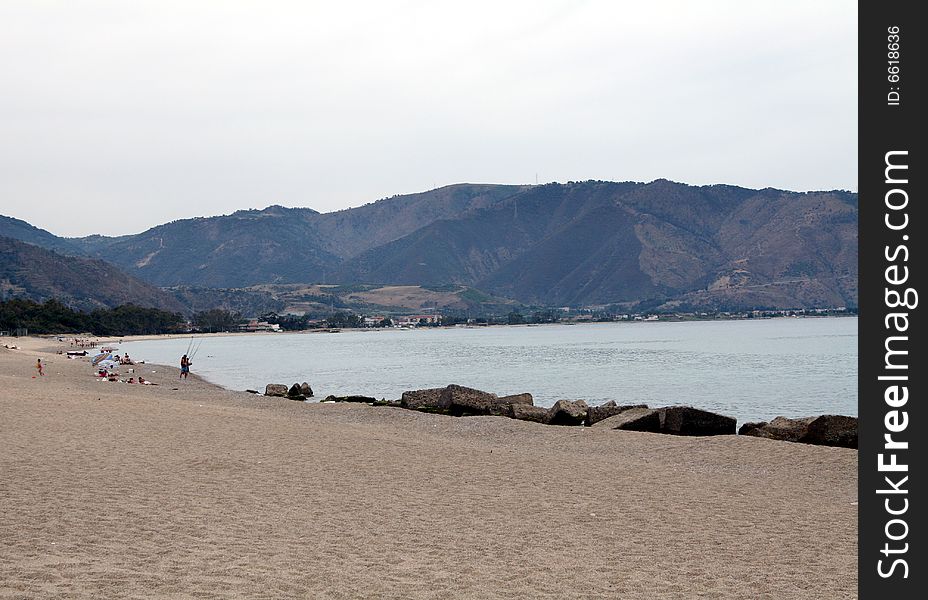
x=753 y=369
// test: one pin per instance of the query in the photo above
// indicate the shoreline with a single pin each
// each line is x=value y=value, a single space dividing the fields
x=122 y=490
x=232 y=366
x=158 y=336
x=187 y=489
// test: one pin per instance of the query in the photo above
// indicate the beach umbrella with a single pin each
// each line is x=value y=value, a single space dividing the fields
x=96 y=360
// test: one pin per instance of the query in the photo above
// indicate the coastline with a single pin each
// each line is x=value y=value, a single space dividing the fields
x=166 y=336
x=189 y=489
x=399 y=360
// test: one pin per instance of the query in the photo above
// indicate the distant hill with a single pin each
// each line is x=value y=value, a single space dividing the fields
x=661 y=243
x=18 y=229
x=277 y=244
x=601 y=242
x=28 y=271
x=274 y=245
x=350 y=232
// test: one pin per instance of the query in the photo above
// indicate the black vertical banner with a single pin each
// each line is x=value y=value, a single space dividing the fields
x=893 y=437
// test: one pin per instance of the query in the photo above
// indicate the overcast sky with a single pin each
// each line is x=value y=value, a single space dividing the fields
x=118 y=116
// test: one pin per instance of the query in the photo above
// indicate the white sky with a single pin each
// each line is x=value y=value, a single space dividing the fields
x=116 y=116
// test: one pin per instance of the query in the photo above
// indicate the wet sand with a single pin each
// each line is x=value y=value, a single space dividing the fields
x=186 y=490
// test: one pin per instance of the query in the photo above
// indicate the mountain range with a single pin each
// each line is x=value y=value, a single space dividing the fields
x=579 y=243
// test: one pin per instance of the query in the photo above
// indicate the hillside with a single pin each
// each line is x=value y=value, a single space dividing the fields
x=28 y=271
x=277 y=244
x=18 y=229
x=601 y=242
x=347 y=233
x=663 y=243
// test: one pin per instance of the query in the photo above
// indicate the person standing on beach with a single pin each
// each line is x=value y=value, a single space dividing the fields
x=184 y=366
x=38 y=367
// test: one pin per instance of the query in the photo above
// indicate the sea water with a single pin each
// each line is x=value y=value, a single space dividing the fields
x=751 y=369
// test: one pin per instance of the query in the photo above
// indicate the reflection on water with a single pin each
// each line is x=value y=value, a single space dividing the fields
x=754 y=369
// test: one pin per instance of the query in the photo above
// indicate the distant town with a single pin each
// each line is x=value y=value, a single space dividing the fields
x=564 y=315
x=26 y=317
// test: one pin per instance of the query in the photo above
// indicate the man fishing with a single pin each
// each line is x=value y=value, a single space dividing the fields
x=187 y=359
x=184 y=366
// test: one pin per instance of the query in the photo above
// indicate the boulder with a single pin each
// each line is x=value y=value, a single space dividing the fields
x=832 y=430
x=458 y=400
x=634 y=419
x=294 y=393
x=528 y=412
x=781 y=428
x=364 y=399
x=686 y=420
x=752 y=428
x=463 y=401
x=824 y=430
x=429 y=400
x=609 y=409
x=306 y=390
x=275 y=389
x=568 y=412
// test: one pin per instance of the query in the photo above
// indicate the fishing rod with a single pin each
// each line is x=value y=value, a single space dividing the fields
x=196 y=348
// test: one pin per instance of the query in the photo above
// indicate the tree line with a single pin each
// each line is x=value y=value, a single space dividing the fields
x=53 y=316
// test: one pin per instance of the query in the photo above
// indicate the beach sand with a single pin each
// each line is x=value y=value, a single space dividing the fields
x=186 y=490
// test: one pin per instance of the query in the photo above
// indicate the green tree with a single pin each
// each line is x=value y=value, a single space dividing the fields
x=345 y=319
x=216 y=319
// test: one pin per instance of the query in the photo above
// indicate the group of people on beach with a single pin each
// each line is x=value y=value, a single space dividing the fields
x=185 y=363
x=82 y=343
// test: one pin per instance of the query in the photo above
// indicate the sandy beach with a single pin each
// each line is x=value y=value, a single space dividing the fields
x=186 y=490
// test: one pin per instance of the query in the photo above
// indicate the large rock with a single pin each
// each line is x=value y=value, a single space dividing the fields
x=686 y=420
x=294 y=393
x=832 y=430
x=363 y=399
x=825 y=430
x=528 y=412
x=429 y=400
x=609 y=409
x=462 y=400
x=568 y=412
x=634 y=419
x=306 y=390
x=458 y=400
x=468 y=401
x=275 y=389
x=781 y=428
x=753 y=428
